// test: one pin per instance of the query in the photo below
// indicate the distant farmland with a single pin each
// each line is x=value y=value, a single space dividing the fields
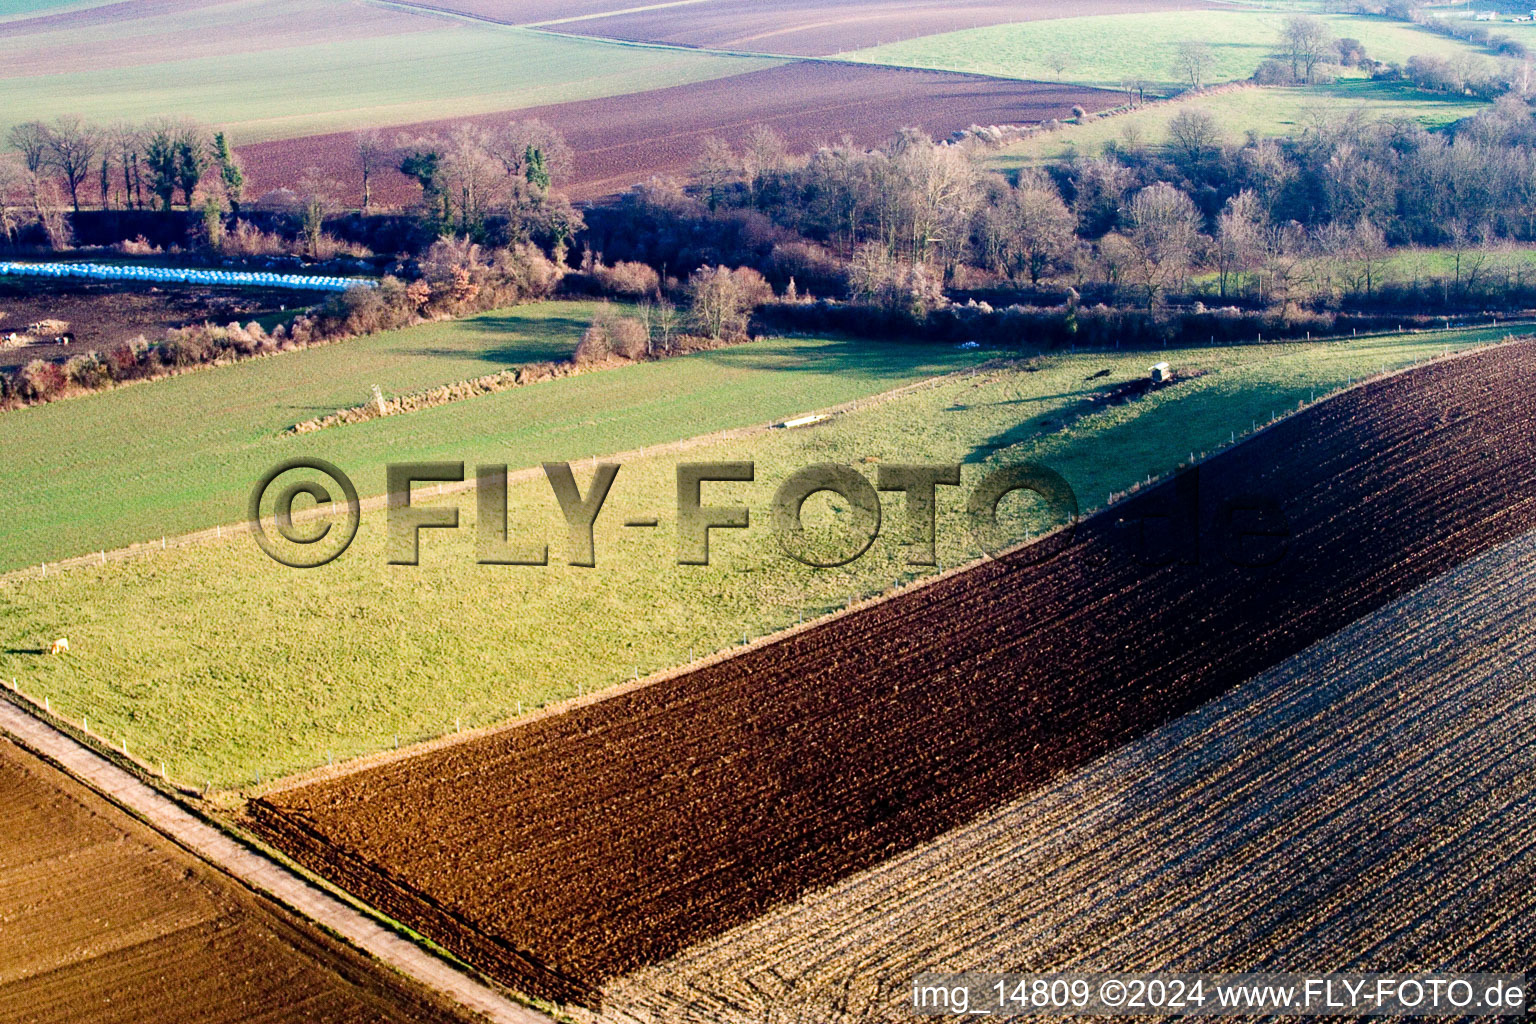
x=1367 y=804
x=622 y=140
x=1104 y=49
x=118 y=35
x=1267 y=112
x=962 y=694
x=107 y=921
x=815 y=28
x=339 y=80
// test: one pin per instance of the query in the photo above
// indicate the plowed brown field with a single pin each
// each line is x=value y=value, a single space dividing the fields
x=108 y=922
x=621 y=140
x=799 y=27
x=578 y=847
x=1369 y=804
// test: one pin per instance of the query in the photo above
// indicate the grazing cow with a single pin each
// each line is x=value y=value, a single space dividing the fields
x=67 y=338
x=1096 y=376
x=60 y=646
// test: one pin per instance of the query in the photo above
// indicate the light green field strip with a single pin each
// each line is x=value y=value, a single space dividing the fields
x=1104 y=50
x=1267 y=112
x=224 y=664
x=237 y=31
x=180 y=454
x=13 y=10
x=355 y=83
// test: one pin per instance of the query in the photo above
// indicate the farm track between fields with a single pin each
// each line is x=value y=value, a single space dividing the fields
x=577 y=848
x=1368 y=804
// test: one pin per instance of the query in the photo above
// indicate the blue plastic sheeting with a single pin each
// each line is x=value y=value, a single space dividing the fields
x=176 y=275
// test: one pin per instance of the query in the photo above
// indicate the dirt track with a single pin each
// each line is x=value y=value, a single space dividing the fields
x=136 y=929
x=563 y=853
x=621 y=140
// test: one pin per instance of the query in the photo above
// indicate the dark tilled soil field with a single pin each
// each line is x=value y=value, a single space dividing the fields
x=108 y=922
x=578 y=847
x=1369 y=803
x=807 y=28
x=622 y=140
x=102 y=314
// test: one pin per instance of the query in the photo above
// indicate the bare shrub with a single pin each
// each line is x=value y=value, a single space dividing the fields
x=42 y=380
x=139 y=246
x=595 y=346
x=246 y=239
x=628 y=280
x=127 y=360
x=721 y=301
x=87 y=370
x=752 y=288
x=186 y=346
x=629 y=339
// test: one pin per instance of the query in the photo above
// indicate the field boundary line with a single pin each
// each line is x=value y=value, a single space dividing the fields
x=521 y=475
x=383 y=757
x=613 y=14
x=550 y=28
x=256 y=871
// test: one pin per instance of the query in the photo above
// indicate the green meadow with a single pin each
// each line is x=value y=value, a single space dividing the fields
x=181 y=454
x=226 y=665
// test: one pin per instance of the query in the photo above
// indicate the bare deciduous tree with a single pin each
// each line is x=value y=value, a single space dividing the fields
x=1194 y=137
x=1240 y=232
x=1307 y=44
x=72 y=148
x=1163 y=240
x=30 y=139
x=372 y=156
x=1028 y=230
x=1193 y=62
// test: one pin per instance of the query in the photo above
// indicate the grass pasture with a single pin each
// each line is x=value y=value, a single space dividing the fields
x=1266 y=112
x=345 y=82
x=16 y=10
x=181 y=454
x=1105 y=50
x=225 y=664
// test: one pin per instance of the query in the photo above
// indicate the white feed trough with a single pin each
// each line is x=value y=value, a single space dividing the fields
x=803 y=421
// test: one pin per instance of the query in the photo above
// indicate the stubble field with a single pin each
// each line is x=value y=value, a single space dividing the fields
x=625 y=830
